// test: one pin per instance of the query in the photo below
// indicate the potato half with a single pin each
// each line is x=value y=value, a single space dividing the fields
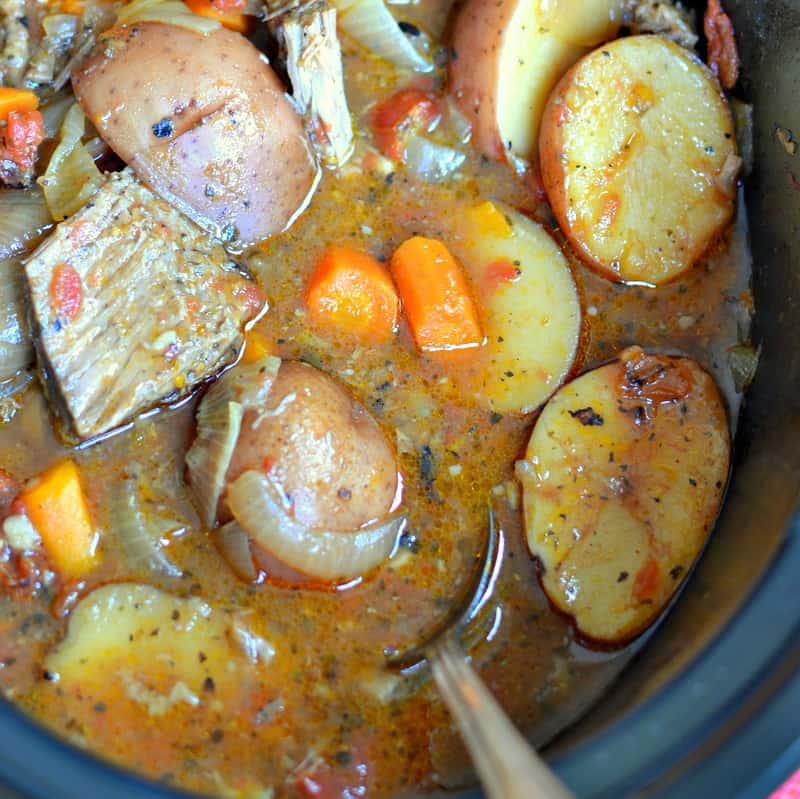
x=622 y=481
x=638 y=159
x=204 y=122
x=508 y=55
x=530 y=307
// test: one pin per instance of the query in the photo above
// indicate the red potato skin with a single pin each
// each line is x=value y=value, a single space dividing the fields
x=551 y=142
x=204 y=122
x=475 y=90
x=322 y=447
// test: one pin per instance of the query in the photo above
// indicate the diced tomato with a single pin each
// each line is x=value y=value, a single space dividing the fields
x=23 y=134
x=723 y=57
x=498 y=273
x=66 y=292
x=404 y=112
x=647 y=581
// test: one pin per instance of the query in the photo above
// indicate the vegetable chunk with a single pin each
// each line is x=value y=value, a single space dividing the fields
x=508 y=55
x=638 y=159
x=352 y=292
x=622 y=481
x=204 y=122
x=56 y=505
x=531 y=311
x=436 y=296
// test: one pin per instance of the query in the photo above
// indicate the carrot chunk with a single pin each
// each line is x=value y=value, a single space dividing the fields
x=435 y=295
x=352 y=291
x=225 y=12
x=16 y=100
x=56 y=505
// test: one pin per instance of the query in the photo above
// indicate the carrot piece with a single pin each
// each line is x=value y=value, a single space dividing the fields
x=256 y=346
x=56 y=505
x=16 y=100
x=225 y=12
x=435 y=295
x=352 y=291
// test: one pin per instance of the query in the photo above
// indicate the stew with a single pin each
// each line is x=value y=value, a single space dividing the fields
x=292 y=295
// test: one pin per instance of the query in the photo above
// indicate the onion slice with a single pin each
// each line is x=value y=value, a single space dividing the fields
x=433 y=162
x=172 y=12
x=24 y=218
x=233 y=544
x=327 y=555
x=139 y=537
x=372 y=25
x=219 y=421
x=16 y=346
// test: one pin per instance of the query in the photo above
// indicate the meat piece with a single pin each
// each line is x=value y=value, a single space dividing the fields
x=314 y=64
x=670 y=20
x=132 y=305
x=16 y=42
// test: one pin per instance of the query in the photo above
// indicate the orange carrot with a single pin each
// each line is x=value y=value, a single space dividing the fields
x=256 y=346
x=16 y=100
x=353 y=292
x=225 y=12
x=56 y=505
x=435 y=295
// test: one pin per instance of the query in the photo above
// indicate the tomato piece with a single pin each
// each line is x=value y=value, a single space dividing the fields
x=723 y=57
x=406 y=111
x=66 y=292
x=23 y=134
x=500 y=272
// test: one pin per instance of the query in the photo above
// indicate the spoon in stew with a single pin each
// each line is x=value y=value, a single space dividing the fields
x=508 y=766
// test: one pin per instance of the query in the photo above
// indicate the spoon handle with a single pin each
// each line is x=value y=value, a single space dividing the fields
x=508 y=766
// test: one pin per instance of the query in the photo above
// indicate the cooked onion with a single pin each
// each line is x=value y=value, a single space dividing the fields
x=372 y=25
x=16 y=347
x=233 y=544
x=54 y=112
x=71 y=177
x=219 y=419
x=24 y=217
x=207 y=461
x=139 y=533
x=743 y=363
x=172 y=12
x=430 y=160
x=327 y=555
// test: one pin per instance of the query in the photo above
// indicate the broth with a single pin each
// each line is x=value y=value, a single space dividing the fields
x=325 y=701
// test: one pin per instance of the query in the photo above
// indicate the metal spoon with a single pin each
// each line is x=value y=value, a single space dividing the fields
x=508 y=766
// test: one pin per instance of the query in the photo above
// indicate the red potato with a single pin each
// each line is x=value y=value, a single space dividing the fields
x=204 y=122
x=638 y=159
x=622 y=480
x=508 y=55
x=322 y=448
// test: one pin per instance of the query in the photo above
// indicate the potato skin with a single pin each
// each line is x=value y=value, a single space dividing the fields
x=477 y=37
x=323 y=448
x=507 y=56
x=622 y=480
x=654 y=188
x=204 y=122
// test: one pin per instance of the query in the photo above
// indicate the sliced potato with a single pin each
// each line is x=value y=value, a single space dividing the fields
x=508 y=55
x=622 y=481
x=139 y=642
x=638 y=159
x=531 y=311
x=204 y=121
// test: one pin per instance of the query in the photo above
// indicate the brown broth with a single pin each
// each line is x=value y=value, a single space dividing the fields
x=327 y=693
